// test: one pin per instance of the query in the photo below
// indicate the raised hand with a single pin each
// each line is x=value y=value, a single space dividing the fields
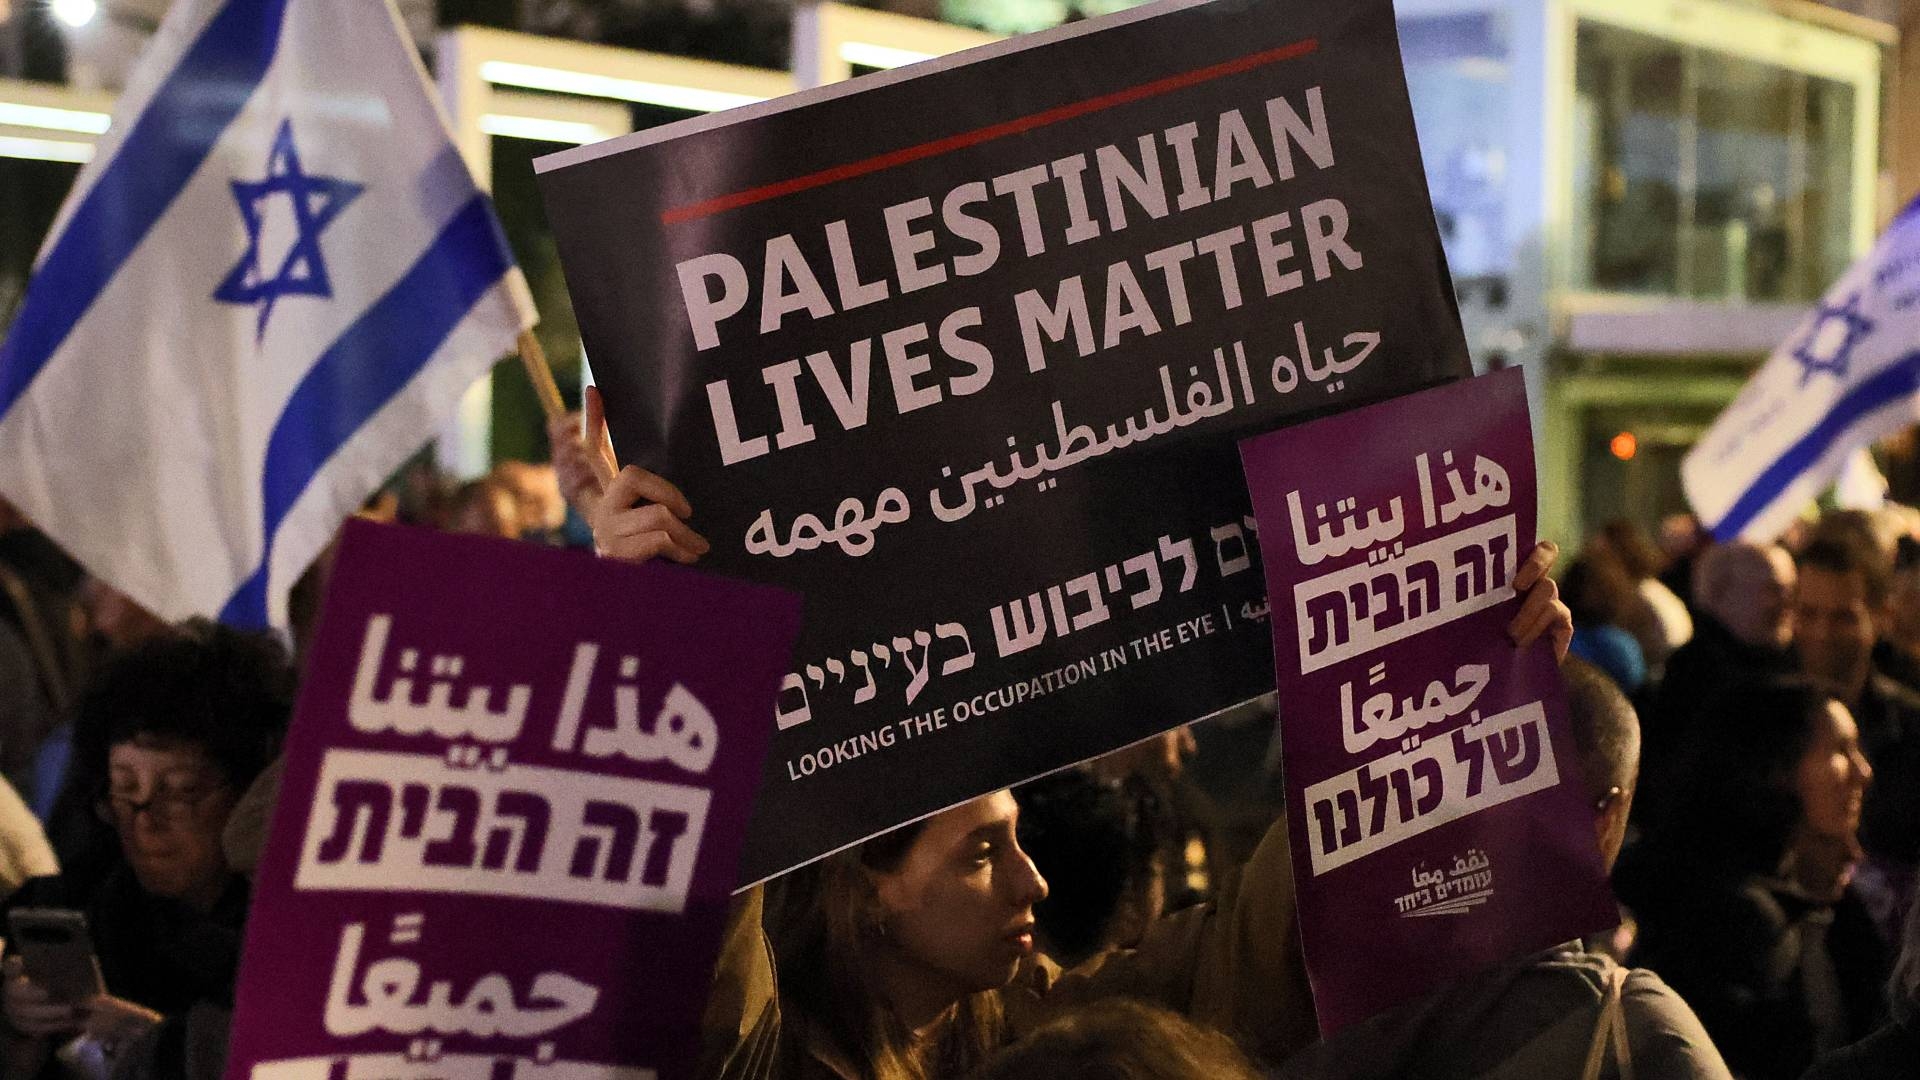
x=636 y=515
x=1541 y=611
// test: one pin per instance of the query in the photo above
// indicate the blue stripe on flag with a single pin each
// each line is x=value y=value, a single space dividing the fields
x=185 y=117
x=370 y=363
x=1899 y=379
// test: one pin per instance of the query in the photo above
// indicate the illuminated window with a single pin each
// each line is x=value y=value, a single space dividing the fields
x=1706 y=175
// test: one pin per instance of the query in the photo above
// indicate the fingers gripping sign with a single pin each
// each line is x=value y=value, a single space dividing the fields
x=1541 y=609
x=636 y=515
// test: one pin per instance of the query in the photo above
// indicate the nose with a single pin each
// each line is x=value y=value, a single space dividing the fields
x=1861 y=769
x=1029 y=887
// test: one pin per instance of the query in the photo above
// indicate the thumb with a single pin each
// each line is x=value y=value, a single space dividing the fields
x=599 y=444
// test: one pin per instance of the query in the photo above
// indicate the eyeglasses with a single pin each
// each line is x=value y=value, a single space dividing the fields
x=163 y=808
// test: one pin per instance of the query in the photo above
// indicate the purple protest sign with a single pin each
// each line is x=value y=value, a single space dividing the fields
x=1439 y=820
x=515 y=792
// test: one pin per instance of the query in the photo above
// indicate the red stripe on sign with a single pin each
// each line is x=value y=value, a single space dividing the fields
x=1055 y=115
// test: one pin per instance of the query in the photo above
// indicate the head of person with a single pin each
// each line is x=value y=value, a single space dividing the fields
x=1597 y=589
x=1121 y=1039
x=1902 y=625
x=1606 y=732
x=1681 y=537
x=1838 y=604
x=485 y=508
x=1102 y=842
x=907 y=935
x=1747 y=588
x=1630 y=545
x=175 y=729
x=113 y=619
x=1874 y=531
x=535 y=488
x=1770 y=761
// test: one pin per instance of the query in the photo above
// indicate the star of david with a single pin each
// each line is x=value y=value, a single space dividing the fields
x=315 y=202
x=1829 y=345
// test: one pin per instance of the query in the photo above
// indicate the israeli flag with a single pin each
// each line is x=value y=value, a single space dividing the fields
x=1849 y=376
x=272 y=283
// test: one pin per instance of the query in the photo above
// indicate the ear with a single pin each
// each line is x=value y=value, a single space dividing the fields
x=1610 y=825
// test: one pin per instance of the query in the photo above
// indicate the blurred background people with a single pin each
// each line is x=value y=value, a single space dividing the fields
x=485 y=507
x=1839 y=607
x=1897 y=655
x=1742 y=597
x=1601 y=594
x=540 y=510
x=1657 y=618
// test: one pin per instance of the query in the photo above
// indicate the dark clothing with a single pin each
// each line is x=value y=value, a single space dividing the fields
x=1897 y=665
x=1678 y=576
x=1699 y=670
x=1534 y=1017
x=1776 y=978
x=154 y=952
x=1892 y=1053
x=1889 y=719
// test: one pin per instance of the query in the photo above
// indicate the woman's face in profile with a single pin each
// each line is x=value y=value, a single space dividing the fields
x=961 y=902
x=169 y=802
x=1833 y=776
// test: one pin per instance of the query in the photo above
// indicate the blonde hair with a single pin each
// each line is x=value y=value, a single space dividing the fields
x=827 y=925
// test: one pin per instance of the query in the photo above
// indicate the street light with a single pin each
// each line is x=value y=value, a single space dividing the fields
x=74 y=14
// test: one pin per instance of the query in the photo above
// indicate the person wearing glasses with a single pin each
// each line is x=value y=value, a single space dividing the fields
x=167 y=738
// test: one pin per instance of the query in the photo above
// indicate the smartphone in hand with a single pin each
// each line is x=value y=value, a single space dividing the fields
x=57 y=951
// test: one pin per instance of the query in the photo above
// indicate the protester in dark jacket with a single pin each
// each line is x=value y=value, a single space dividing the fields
x=1741 y=884
x=1742 y=628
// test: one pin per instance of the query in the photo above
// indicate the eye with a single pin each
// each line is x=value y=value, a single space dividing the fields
x=982 y=853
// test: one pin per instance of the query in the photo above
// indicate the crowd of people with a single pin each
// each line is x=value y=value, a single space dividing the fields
x=1748 y=725
x=1769 y=874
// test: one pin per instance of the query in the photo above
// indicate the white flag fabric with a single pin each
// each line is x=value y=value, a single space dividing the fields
x=271 y=284
x=1849 y=376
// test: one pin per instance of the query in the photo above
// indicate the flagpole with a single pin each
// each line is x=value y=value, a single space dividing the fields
x=535 y=359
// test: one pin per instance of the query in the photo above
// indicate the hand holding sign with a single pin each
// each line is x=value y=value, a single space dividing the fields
x=637 y=515
x=1426 y=756
x=884 y=357
x=1542 y=611
x=520 y=737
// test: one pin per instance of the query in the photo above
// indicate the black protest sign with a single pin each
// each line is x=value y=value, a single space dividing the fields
x=960 y=352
